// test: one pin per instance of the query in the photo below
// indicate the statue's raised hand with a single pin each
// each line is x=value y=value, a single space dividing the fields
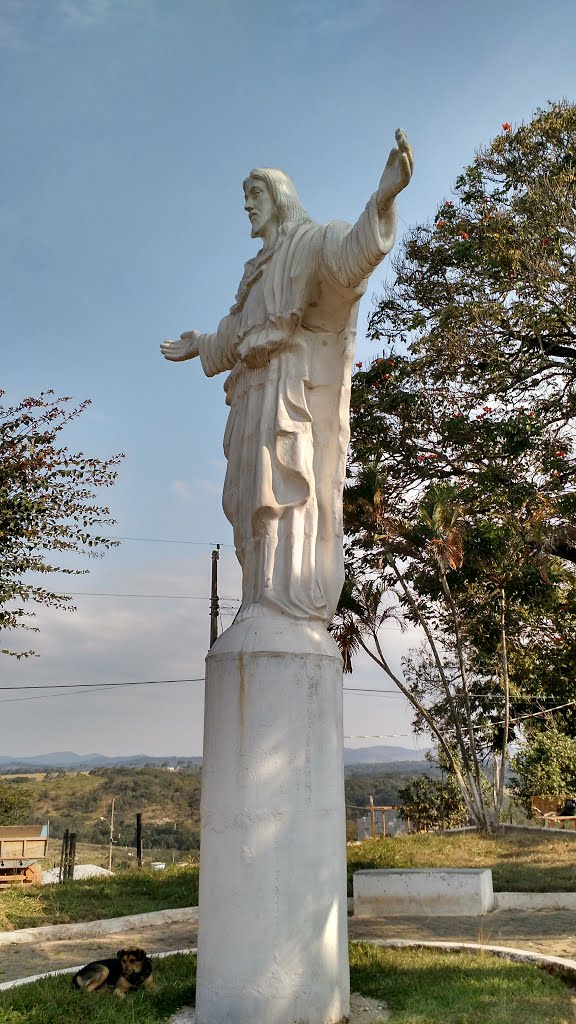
x=185 y=347
x=397 y=172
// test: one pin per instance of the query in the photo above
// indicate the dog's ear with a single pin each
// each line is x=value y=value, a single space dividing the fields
x=120 y=953
x=140 y=954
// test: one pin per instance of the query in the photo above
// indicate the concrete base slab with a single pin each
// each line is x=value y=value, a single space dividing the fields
x=411 y=891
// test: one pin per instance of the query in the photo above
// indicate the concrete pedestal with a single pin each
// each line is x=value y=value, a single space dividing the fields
x=272 y=942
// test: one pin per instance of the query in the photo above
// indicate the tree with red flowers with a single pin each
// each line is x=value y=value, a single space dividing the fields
x=48 y=506
x=462 y=497
x=486 y=293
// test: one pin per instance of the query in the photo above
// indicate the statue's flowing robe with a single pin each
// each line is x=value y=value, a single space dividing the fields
x=289 y=344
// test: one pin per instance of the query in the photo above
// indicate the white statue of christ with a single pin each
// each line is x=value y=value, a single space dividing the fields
x=288 y=344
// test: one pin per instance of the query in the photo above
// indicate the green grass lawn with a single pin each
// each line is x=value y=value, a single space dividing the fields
x=129 y=892
x=418 y=986
x=538 y=861
x=425 y=986
x=53 y=1000
x=542 y=861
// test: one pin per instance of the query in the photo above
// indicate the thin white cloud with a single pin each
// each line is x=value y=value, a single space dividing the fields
x=18 y=18
x=188 y=490
x=339 y=17
x=86 y=12
x=12 y=34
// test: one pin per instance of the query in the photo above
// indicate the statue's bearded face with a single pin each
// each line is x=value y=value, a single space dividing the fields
x=260 y=207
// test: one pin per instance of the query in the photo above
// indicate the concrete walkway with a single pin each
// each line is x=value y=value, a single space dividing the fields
x=548 y=932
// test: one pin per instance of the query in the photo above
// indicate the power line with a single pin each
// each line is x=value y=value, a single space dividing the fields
x=365 y=691
x=164 y=597
x=168 y=540
x=90 y=687
x=66 y=686
x=360 y=691
x=46 y=696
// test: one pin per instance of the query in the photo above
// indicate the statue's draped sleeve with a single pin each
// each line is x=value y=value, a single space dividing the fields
x=217 y=351
x=350 y=256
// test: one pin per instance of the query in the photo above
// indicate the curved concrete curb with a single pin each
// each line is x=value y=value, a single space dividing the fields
x=535 y=900
x=554 y=964
x=16 y=982
x=105 y=927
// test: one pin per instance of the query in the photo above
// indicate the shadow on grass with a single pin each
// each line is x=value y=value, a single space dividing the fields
x=435 y=987
x=419 y=987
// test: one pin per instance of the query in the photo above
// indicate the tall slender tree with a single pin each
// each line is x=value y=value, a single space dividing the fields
x=48 y=507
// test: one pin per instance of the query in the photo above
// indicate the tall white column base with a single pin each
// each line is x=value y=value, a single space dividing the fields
x=272 y=941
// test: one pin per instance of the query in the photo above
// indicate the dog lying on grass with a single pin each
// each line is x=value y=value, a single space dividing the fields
x=129 y=971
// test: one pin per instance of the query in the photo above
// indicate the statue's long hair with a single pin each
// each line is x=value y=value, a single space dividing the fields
x=283 y=192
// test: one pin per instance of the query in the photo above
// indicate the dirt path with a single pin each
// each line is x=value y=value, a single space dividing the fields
x=20 y=961
x=551 y=932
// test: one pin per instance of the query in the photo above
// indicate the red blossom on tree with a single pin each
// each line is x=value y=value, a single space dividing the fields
x=47 y=506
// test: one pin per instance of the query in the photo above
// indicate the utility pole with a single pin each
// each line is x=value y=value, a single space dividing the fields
x=111 y=841
x=139 y=839
x=214 y=602
x=111 y=836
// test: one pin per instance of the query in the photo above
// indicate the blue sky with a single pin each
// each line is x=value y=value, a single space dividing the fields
x=127 y=128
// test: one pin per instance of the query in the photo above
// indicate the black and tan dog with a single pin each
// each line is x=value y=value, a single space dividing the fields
x=131 y=970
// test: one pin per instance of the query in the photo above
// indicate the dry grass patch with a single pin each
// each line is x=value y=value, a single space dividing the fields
x=129 y=892
x=536 y=861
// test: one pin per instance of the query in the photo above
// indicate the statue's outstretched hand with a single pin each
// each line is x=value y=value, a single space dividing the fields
x=185 y=347
x=397 y=172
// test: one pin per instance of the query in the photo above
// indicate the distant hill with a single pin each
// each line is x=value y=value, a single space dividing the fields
x=75 y=792
x=67 y=759
x=381 y=755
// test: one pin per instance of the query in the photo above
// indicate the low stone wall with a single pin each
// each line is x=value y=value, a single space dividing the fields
x=535 y=900
x=411 y=891
x=107 y=926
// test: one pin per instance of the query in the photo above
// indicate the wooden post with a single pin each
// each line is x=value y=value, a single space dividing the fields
x=111 y=836
x=139 y=839
x=71 y=857
x=214 y=602
x=383 y=813
x=64 y=856
x=372 y=818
